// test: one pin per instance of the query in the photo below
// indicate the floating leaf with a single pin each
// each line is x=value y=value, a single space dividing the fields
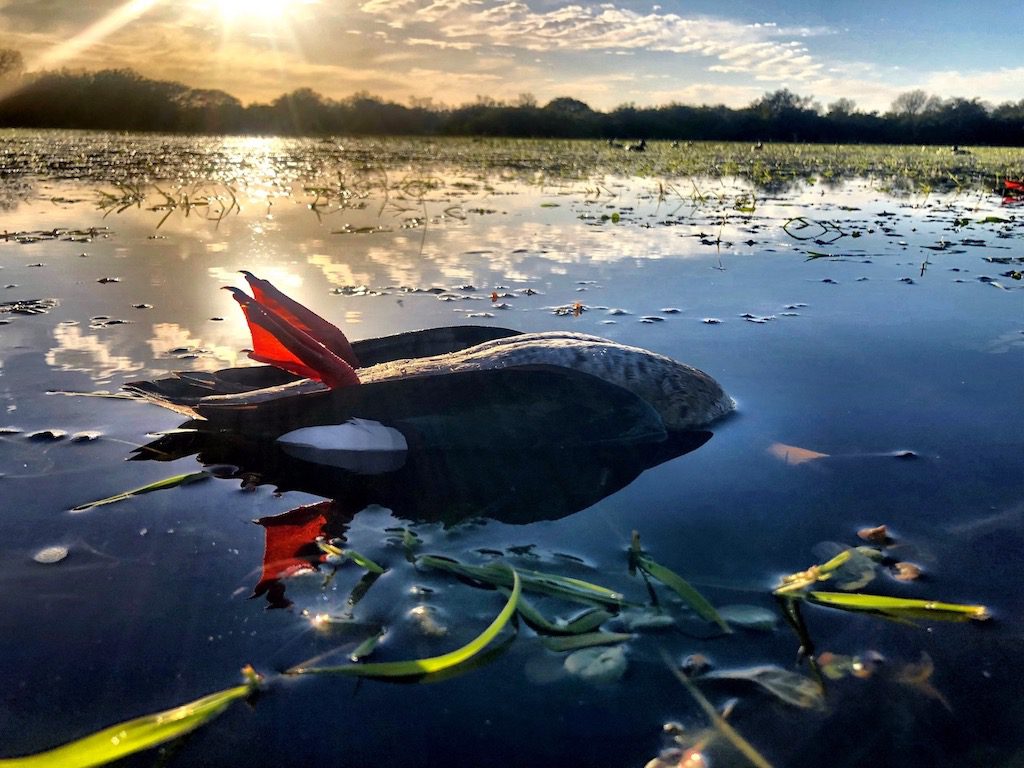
x=797 y=582
x=597 y=665
x=900 y=607
x=366 y=647
x=837 y=666
x=418 y=667
x=919 y=676
x=683 y=588
x=879 y=534
x=790 y=687
x=139 y=734
x=647 y=619
x=586 y=640
x=792 y=455
x=534 y=581
x=749 y=617
x=904 y=571
x=858 y=567
x=349 y=554
x=159 y=485
x=834 y=666
x=586 y=622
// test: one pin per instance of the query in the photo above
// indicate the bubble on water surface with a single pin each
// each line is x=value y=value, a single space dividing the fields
x=48 y=555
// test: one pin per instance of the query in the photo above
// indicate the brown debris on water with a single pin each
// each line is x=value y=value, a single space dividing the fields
x=879 y=534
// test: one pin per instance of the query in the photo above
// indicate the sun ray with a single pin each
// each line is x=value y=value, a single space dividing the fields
x=94 y=33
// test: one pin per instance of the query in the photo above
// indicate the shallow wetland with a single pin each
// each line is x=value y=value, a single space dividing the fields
x=863 y=306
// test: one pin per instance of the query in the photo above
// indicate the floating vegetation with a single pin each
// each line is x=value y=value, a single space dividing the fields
x=169 y=482
x=142 y=733
x=421 y=667
x=900 y=607
x=28 y=306
x=798 y=588
x=334 y=176
x=57 y=233
x=593 y=654
x=565 y=587
x=639 y=560
x=212 y=201
x=787 y=686
x=733 y=736
x=597 y=665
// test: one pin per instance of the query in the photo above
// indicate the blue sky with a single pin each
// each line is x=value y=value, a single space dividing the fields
x=605 y=53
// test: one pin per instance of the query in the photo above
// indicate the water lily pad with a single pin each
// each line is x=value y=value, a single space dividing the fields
x=646 y=618
x=790 y=687
x=597 y=665
x=750 y=617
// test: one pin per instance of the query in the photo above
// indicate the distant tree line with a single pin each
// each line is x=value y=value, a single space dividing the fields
x=124 y=100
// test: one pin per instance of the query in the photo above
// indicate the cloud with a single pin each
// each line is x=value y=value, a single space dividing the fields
x=761 y=50
x=995 y=85
x=442 y=44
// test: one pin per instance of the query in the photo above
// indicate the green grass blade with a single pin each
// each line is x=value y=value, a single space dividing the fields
x=534 y=581
x=416 y=667
x=900 y=607
x=159 y=485
x=535 y=618
x=364 y=562
x=586 y=640
x=366 y=647
x=587 y=621
x=136 y=735
x=684 y=589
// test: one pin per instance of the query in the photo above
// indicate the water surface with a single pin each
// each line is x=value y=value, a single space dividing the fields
x=887 y=324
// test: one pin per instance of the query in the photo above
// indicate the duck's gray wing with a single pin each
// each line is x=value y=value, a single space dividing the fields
x=510 y=407
x=426 y=343
x=184 y=389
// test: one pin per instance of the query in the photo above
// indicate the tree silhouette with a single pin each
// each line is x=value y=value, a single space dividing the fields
x=122 y=99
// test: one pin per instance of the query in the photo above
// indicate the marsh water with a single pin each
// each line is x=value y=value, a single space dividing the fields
x=872 y=335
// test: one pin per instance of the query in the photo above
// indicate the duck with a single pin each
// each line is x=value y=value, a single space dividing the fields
x=461 y=387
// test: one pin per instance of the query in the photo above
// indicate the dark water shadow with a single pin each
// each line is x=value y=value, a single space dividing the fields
x=515 y=487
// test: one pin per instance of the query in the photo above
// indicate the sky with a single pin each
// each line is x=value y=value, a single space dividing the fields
x=604 y=53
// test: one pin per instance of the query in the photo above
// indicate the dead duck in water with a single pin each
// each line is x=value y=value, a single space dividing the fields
x=416 y=381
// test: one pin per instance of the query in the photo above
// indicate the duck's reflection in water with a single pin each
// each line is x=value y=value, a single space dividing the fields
x=433 y=485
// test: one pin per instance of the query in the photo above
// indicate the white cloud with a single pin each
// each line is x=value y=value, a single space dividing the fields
x=759 y=49
x=996 y=85
x=443 y=44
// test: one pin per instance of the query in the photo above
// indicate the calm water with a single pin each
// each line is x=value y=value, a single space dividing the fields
x=895 y=326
